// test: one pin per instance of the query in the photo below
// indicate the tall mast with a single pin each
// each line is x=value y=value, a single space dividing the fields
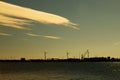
x=67 y=54
x=45 y=53
x=88 y=53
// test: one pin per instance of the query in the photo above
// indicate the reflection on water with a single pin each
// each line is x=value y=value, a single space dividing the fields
x=59 y=71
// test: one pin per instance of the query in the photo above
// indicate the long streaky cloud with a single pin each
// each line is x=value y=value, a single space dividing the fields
x=36 y=35
x=30 y=14
x=4 y=34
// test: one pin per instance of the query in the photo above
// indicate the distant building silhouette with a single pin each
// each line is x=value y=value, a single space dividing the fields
x=23 y=59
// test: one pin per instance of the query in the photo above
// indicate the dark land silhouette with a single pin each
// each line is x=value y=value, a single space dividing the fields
x=84 y=58
x=91 y=59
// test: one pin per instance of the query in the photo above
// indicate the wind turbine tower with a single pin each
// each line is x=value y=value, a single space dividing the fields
x=67 y=54
x=45 y=55
x=88 y=53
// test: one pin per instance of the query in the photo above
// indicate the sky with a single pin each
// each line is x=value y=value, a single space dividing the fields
x=28 y=28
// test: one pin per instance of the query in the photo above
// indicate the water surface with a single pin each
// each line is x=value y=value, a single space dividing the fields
x=59 y=71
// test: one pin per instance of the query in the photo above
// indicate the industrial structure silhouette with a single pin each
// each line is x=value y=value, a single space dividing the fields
x=85 y=57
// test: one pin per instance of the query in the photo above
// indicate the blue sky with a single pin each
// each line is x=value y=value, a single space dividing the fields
x=82 y=25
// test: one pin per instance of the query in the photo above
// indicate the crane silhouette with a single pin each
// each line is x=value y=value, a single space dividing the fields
x=86 y=54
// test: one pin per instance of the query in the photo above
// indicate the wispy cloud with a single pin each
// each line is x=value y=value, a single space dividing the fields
x=52 y=37
x=4 y=34
x=12 y=22
x=27 y=13
x=49 y=37
x=34 y=35
x=117 y=43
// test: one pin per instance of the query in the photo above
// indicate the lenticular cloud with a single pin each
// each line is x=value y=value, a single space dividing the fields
x=11 y=16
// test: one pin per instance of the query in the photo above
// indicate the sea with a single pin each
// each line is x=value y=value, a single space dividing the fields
x=59 y=70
